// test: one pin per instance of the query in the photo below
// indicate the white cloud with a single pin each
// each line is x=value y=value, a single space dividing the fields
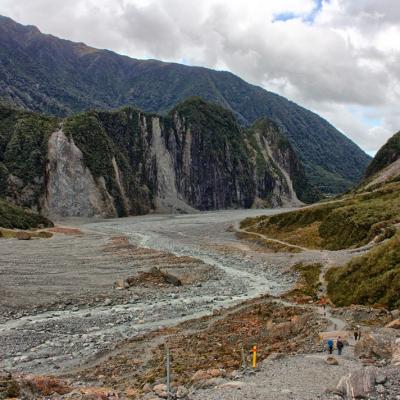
x=345 y=60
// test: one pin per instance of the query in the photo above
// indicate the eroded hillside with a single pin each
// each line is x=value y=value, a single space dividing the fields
x=126 y=162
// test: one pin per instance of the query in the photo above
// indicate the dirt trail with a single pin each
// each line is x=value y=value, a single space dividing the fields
x=269 y=239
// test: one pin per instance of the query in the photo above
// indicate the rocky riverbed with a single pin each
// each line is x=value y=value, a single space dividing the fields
x=63 y=306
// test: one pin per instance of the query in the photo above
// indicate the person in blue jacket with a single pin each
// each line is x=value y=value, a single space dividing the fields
x=330 y=345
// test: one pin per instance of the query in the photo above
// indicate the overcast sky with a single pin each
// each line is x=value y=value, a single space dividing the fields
x=339 y=58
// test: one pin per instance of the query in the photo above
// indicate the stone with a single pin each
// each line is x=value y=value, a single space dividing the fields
x=275 y=356
x=332 y=361
x=380 y=379
x=121 y=284
x=21 y=235
x=202 y=375
x=209 y=383
x=232 y=385
x=161 y=390
x=380 y=389
x=396 y=353
x=359 y=384
x=182 y=392
x=374 y=346
x=394 y=324
x=172 y=279
x=395 y=314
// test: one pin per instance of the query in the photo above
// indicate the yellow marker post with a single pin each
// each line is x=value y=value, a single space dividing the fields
x=254 y=356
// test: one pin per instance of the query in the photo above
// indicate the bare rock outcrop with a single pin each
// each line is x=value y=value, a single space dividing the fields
x=376 y=346
x=71 y=188
x=358 y=384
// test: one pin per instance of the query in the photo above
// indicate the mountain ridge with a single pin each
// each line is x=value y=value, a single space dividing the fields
x=45 y=74
x=127 y=162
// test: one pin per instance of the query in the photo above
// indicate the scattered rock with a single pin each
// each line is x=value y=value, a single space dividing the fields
x=182 y=392
x=380 y=389
x=380 y=379
x=395 y=314
x=21 y=235
x=394 y=324
x=375 y=346
x=232 y=385
x=121 y=284
x=396 y=353
x=359 y=384
x=275 y=356
x=202 y=375
x=209 y=383
x=161 y=390
x=171 y=279
x=332 y=361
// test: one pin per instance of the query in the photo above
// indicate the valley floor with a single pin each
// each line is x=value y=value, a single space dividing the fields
x=61 y=314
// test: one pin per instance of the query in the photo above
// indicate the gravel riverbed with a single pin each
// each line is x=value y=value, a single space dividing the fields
x=58 y=305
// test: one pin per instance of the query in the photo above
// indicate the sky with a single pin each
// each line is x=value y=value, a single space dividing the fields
x=338 y=58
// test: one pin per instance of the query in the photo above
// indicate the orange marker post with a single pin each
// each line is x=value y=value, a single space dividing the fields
x=254 y=350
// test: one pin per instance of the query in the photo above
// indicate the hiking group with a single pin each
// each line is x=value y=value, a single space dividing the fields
x=339 y=345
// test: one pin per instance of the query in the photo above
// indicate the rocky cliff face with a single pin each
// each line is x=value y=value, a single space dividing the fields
x=128 y=162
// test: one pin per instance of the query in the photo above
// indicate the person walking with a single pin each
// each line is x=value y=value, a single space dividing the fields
x=355 y=334
x=330 y=345
x=339 y=345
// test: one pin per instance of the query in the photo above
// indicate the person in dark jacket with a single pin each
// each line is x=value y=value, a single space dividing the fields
x=330 y=345
x=339 y=345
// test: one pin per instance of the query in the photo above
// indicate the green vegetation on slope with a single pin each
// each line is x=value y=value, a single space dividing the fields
x=104 y=136
x=350 y=222
x=23 y=151
x=308 y=284
x=388 y=154
x=13 y=217
x=372 y=279
x=282 y=150
x=51 y=75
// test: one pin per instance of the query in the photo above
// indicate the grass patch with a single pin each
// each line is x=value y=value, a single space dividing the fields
x=267 y=245
x=372 y=279
x=13 y=217
x=308 y=285
x=351 y=222
x=13 y=234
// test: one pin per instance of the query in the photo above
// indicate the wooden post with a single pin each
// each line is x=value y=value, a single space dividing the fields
x=168 y=370
x=254 y=356
x=244 y=364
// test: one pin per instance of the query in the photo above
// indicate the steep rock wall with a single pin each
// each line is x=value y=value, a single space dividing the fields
x=126 y=162
x=71 y=189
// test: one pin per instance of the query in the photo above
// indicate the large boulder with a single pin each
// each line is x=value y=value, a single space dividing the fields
x=332 y=361
x=358 y=384
x=376 y=346
x=22 y=235
x=396 y=353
